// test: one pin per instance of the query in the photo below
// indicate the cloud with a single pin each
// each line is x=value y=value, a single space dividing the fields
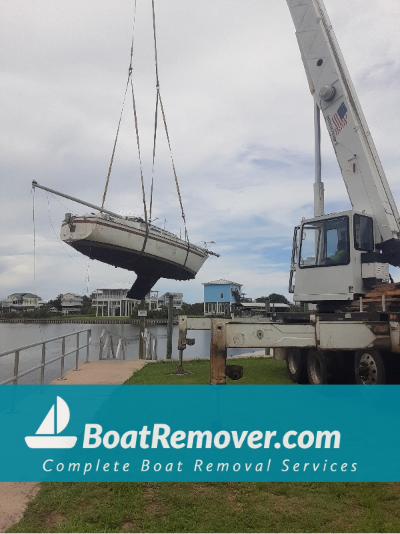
x=240 y=120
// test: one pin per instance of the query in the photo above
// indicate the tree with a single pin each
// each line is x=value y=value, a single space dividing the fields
x=56 y=303
x=274 y=297
x=192 y=309
x=86 y=305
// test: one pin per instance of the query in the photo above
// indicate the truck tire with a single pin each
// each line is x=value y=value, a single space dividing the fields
x=322 y=367
x=370 y=367
x=345 y=360
x=392 y=364
x=296 y=365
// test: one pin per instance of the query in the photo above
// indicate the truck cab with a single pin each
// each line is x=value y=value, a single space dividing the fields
x=334 y=258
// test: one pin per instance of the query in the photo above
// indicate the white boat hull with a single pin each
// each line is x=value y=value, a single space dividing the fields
x=124 y=243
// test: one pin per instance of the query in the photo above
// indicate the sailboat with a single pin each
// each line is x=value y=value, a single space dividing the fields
x=129 y=243
x=134 y=243
x=54 y=423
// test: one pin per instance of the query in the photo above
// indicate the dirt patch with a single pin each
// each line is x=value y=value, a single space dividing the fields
x=14 y=497
x=282 y=503
x=200 y=490
x=232 y=498
x=55 y=518
x=395 y=489
x=153 y=506
x=83 y=506
x=127 y=527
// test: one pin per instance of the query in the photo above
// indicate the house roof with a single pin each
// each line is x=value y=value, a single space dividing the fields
x=27 y=295
x=115 y=285
x=222 y=282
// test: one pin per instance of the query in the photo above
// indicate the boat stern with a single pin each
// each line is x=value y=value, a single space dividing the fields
x=77 y=228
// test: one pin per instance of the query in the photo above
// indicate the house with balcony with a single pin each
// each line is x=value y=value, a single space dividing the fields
x=178 y=300
x=71 y=303
x=20 y=302
x=111 y=300
x=220 y=295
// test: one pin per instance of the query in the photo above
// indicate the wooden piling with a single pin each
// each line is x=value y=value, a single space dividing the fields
x=169 y=326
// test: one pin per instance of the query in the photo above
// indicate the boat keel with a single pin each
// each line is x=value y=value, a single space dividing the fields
x=142 y=286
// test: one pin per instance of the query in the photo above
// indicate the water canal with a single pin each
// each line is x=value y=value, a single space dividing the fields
x=14 y=335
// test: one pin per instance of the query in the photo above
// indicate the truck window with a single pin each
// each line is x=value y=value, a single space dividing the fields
x=363 y=233
x=310 y=244
x=325 y=243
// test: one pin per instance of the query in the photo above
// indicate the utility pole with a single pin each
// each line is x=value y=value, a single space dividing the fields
x=170 y=325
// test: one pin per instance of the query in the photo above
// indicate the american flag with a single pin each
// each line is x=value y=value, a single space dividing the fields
x=340 y=118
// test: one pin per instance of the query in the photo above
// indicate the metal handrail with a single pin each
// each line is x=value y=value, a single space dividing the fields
x=43 y=363
x=40 y=342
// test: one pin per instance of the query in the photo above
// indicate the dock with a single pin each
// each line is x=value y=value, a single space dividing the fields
x=102 y=372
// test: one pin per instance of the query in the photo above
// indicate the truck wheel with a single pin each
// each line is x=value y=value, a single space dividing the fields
x=370 y=368
x=296 y=365
x=321 y=367
x=346 y=366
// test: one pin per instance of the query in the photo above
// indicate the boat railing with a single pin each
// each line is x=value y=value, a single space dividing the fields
x=17 y=353
x=112 y=346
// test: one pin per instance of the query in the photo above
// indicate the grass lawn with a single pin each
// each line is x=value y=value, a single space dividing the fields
x=213 y=507
x=256 y=371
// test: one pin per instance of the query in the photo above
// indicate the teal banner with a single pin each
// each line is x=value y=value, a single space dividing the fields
x=199 y=433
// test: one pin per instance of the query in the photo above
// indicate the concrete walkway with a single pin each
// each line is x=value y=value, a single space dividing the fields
x=14 y=496
x=102 y=372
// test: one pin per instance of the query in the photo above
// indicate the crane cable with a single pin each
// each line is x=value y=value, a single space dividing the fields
x=159 y=100
x=129 y=81
x=146 y=220
x=116 y=138
x=156 y=111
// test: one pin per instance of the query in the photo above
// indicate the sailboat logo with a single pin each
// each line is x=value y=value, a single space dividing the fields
x=54 y=423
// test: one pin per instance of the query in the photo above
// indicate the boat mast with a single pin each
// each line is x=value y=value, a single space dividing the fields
x=35 y=184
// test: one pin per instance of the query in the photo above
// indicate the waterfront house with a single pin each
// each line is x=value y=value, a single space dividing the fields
x=219 y=296
x=111 y=300
x=71 y=303
x=21 y=302
x=178 y=300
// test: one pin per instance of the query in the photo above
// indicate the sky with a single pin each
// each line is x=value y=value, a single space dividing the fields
x=240 y=119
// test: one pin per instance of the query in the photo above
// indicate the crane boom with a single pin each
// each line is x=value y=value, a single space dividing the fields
x=334 y=93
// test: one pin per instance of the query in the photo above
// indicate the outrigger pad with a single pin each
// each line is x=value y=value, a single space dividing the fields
x=143 y=284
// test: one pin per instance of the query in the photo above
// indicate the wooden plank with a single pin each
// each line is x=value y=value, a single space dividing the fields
x=386 y=293
x=386 y=286
x=387 y=299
